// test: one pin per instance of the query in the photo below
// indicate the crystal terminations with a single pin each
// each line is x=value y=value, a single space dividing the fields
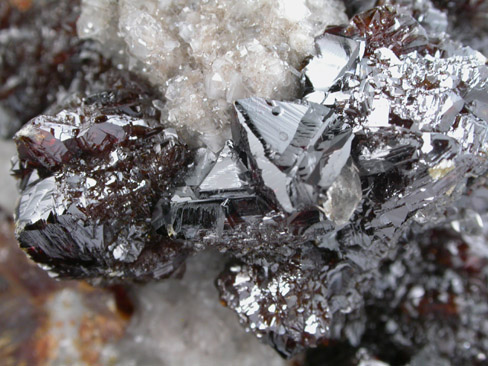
x=310 y=197
x=206 y=54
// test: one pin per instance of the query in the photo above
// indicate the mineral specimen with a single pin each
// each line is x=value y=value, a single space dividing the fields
x=180 y=322
x=312 y=198
x=417 y=135
x=206 y=54
x=90 y=176
x=428 y=306
x=465 y=20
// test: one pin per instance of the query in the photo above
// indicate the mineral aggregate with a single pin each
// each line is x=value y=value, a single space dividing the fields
x=381 y=83
x=90 y=176
x=206 y=54
x=314 y=199
x=465 y=20
x=179 y=322
x=434 y=285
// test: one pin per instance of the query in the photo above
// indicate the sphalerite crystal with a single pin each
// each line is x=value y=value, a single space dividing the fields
x=206 y=54
x=90 y=176
x=417 y=136
x=316 y=200
x=464 y=20
x=428 y=305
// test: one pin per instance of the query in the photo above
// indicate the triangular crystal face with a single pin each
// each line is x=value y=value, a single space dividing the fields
x=336 y=55
x=311 y=153
x=274 y=123
x=226 y=174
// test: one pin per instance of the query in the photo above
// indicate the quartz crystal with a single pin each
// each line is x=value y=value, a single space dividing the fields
x=343 y=212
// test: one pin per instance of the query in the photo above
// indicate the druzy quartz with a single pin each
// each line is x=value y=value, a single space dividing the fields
x=311 y=198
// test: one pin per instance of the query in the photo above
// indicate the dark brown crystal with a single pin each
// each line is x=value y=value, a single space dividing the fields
x=99 y=166
x=315 y=204
x=380 y=28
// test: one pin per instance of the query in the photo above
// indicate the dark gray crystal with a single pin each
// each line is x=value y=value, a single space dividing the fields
x=389 y=144
x=311 y=198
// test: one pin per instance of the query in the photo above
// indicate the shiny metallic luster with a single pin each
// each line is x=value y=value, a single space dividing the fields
x=90 y=176
x=299 y=151
x=310 y=197
x=275 y=308
x=335 y=55
x=391 y=126
x=464 y=21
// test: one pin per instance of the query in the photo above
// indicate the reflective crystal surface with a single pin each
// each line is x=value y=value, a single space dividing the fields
x=90 y=176
x=314 y=200
x=394 y=139
x=434 y=285
x=464 y=20
x=47 y=322
x=204 y=55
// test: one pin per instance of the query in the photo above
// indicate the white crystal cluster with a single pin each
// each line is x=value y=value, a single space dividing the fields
x=206 y=54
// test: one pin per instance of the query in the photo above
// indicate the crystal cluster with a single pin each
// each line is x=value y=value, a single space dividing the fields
x=206 y=54
x=318 y=201
x=428 y=306
x=436 y=285
x=465 y=20
x=90 y=176
x=179 y=321
x=415 y=114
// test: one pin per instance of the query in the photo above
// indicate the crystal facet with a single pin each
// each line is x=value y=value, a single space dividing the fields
x=90 y=177
x=311 y=198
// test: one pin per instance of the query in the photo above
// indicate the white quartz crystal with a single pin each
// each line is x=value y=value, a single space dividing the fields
x=205 y=54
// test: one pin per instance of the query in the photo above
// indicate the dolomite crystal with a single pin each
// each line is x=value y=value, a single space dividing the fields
x=311 y=197
x=206 y=54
